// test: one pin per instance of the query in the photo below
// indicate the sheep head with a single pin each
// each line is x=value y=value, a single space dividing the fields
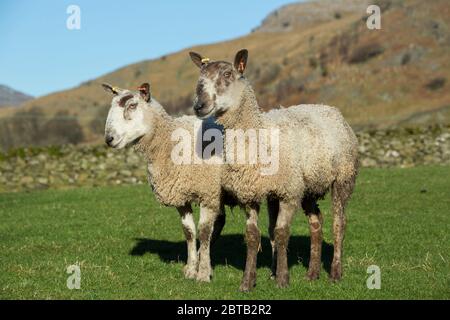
x=127 y=119
x=220 y=84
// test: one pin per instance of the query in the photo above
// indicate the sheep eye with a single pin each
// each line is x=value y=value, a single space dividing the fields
x=227 y=74
x=132 y=106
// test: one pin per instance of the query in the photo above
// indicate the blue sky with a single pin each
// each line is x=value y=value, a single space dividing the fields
x=39 y=55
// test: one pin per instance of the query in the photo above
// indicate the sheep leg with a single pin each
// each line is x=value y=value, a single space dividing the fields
x=315 y=220
x=273 y=206
x=282 y=233
x=253 y=237
x=205 y=230
x=339 y=193
x=187 y=220
x=218 y=225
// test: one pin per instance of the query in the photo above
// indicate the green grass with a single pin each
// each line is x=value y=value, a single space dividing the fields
x=130 y=247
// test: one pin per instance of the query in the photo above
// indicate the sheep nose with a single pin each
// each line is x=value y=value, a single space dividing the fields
x=198 y=106
x=109 y=140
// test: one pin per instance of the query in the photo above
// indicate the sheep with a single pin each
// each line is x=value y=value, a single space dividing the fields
x=135 y=118
x=317 y=152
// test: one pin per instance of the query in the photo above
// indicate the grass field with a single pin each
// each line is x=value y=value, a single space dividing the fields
x=129 y=247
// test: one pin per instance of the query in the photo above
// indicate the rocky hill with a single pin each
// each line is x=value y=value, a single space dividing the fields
x=396 y=76
x=310 y=14
x=11 y=97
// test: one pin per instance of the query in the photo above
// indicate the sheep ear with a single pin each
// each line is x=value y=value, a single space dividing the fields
x=109 y=88
x=240 y=60
x=144 y=91
x=197 y=59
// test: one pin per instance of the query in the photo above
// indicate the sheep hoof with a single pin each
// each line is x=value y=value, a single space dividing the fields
x=203 y=277
x=248 y=282
x=312 y=275
x=336 y=273
x=335 y=277
x=283 y=280
x=246 y=286
x=190 y=272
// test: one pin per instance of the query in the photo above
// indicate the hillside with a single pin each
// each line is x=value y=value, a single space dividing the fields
x=378 y=78
x=309 y=14
x=11 y=97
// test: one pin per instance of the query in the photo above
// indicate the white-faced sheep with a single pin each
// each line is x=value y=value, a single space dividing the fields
x=137 y=119
x=317 y=152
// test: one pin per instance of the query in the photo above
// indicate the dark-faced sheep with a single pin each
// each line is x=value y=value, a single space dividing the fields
x=317 y=152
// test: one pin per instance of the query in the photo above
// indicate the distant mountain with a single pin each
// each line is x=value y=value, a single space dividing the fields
x=10 y=97
x=315 y=52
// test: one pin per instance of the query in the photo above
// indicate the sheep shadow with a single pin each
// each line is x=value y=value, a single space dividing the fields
x=230 y=250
